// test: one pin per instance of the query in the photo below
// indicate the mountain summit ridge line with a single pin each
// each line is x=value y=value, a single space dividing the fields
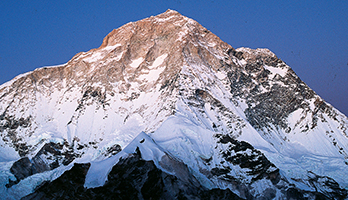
x=167 y=91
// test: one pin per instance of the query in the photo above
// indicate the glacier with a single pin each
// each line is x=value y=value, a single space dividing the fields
x=166 y=92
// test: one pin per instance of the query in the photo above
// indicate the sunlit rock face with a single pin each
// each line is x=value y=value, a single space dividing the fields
x=167 y=95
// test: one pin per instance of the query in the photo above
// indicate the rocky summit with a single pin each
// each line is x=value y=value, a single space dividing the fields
x=164 y=109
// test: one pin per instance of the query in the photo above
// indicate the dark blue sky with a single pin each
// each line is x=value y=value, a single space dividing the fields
x=310 y=36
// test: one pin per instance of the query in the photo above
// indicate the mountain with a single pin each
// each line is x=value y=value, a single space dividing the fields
x=164 y=109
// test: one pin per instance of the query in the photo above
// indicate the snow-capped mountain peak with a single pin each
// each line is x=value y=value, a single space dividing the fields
x=167 y=93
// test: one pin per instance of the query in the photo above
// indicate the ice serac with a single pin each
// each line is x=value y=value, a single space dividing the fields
x=167 y=95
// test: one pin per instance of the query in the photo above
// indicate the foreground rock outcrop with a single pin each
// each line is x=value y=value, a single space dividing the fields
x=209 y=121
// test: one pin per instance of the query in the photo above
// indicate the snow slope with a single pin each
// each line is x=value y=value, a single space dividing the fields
x=238 y=118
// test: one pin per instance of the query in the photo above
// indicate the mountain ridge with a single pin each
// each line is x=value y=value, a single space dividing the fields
x=212 y=107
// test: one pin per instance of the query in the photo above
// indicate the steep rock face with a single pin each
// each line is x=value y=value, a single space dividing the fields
x=133 y=177
x=195 y=95
x=67 y=186
x=130 y=178
x=50 y=156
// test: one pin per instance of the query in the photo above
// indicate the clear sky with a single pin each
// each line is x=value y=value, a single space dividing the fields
x=311 y=36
